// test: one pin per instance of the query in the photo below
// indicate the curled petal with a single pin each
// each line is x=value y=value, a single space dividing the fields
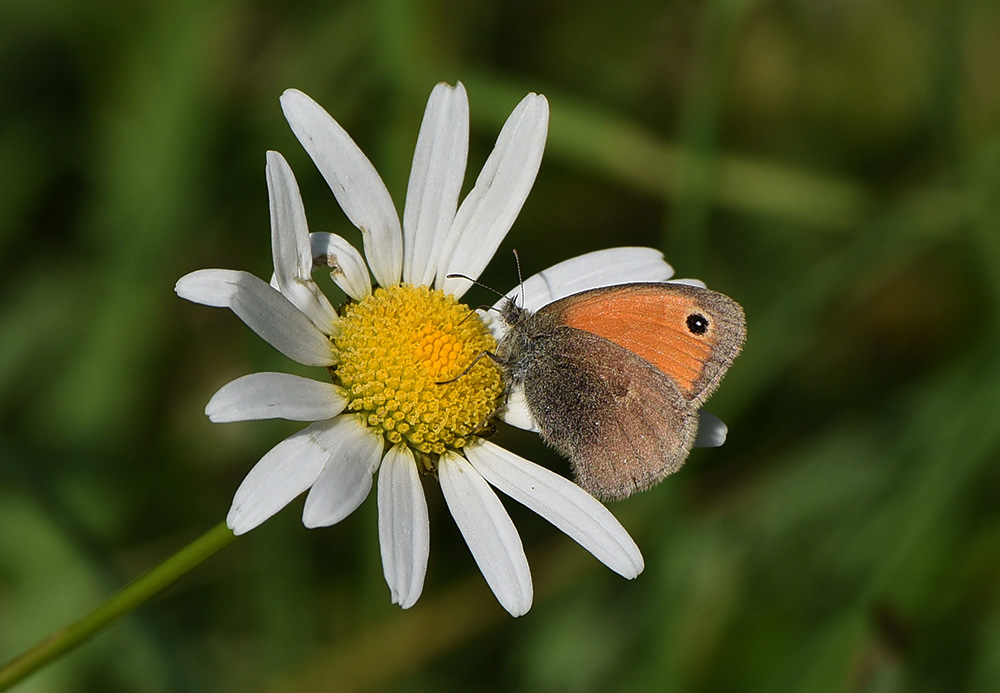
x=403 y=526
x=516 y=411
x=435 y=181
x=489 y=211
x=263 y=309
x=562 y=503
x=347 y=268
x=354 y=182
x=290 y=245
x=353 y=453
x=690 y=282
x=276 y=396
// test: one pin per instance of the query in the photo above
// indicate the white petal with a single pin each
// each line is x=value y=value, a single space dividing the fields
x=353 y=453
x=347 y=268
x=435 y=181
x=288 y=469
x=712 y=431
x=264 y=310
x=489 y=211
x=488 y=531
x=403 y=526
x=562 y=503
x=354 y=182
x=516 y=411
x=588 y=271
x=276 y=396
x=689 y=282
x=293 y=263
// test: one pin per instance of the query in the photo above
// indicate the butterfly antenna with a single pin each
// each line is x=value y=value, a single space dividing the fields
x=520 y=279
x=458 y=275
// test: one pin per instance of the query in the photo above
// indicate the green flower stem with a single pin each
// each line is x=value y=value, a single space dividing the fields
x=132 y=595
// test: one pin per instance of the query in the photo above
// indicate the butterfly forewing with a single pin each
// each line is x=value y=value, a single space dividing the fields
x=689 y=334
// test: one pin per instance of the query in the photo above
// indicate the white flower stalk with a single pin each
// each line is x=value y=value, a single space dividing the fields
x=391 y=349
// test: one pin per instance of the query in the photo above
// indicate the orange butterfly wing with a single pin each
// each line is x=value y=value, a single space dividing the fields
x=688 y=333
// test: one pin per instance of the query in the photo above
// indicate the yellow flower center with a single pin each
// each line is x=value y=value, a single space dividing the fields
x=396 y=347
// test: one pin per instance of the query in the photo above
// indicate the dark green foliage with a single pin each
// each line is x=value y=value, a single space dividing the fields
x=833 y=166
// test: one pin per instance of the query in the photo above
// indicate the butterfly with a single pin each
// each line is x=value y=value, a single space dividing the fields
x=615 y=376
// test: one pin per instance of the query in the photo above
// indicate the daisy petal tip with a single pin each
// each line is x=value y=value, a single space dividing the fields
x=185 y=286
x=407 y=601
x=310 y=520
x=712 y=431
x=520 y=607
x=445 y=87
x=539 y=106
x=237 y=522
x=629 y=563
x=292 y=94
x=243 y=517
x=210 y=287
x=638 y=566
x=300 y=108
x=316 y=515
x=516 y=593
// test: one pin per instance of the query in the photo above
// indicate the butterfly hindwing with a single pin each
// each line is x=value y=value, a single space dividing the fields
x=619 y=420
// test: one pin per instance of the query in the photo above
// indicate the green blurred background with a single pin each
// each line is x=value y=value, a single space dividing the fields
x=834 y=166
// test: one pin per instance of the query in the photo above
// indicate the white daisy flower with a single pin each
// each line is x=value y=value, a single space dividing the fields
x=389 y=349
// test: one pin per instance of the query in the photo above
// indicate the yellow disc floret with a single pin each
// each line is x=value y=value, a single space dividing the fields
x=395 y=349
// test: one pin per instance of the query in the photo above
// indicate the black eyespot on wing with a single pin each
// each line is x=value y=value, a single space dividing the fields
x=697 y=323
